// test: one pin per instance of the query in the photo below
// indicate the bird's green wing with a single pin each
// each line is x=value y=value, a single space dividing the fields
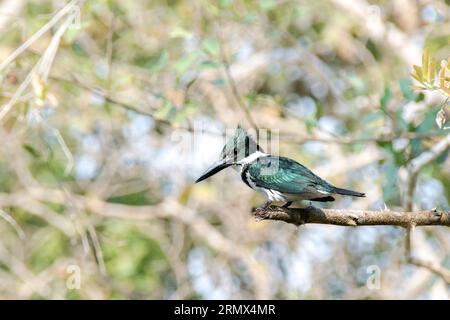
x=285 y=175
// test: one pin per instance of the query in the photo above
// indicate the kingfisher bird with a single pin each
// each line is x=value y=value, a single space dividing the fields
x=281 y=179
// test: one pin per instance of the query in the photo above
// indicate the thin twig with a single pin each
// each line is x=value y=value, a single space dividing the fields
x=98 y=253
x=42 y=67
x=7 y=217
x=437 y=269
x=413 y=170
x=167 y=209
x=352 y=140
x=236 y=95
x=283 y=137
x=16 y=97
x=38 y=34
x=109 y=47
x=417 y=164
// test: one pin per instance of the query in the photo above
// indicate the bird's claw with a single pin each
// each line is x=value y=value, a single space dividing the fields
x=266 y=205
x=261 y=214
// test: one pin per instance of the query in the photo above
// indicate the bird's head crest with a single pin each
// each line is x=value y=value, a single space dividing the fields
x=239 y=145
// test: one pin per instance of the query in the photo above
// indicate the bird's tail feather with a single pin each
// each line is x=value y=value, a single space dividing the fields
x=348 y=192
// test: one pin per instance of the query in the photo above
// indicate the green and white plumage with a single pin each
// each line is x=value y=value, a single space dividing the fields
x=279 y=178
x=283 y=179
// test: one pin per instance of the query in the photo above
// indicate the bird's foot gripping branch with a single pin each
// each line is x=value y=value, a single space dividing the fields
x=299 y=216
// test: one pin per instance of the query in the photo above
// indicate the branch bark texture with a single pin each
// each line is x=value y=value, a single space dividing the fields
x=299 y=216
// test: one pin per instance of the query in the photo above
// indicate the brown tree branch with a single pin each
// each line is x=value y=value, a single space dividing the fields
x=437 y=269
x=236 y=95
x=166 y=209
x=296 y=216
x=413 y=170
x=353 y=218
x=286 y=138
x=418 y=163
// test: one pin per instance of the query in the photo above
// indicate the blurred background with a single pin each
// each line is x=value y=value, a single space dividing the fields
x=109 y=110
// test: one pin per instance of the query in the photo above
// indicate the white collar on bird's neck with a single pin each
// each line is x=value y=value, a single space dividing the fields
x=252 y=157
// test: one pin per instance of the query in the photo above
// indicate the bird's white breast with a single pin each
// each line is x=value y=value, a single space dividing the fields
x=272 y=195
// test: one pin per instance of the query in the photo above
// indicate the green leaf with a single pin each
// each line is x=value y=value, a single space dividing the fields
x=372 y=47
x=390 y=184
x=406 y=88
x=225 y=3
x=167 y=111
x=134 y=199
x=267 y=4
x=188 y=110
x=160 y=62
x=387 y=96
x=310 y=124
x=179 y=32
x=418 y=75
x=32 y=151
x=425 y=61
x=208 y=64
x=357 y=83
x=50 y=246
x=431 y=71
x=219 y=82
x=183 y=64
x=420 y=97
x=211 y=46
x=72 y=33
x=428 y=122
x=372 y=119
x=401 y=123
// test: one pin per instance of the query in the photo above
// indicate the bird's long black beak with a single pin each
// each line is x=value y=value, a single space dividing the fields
x=216 y=167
